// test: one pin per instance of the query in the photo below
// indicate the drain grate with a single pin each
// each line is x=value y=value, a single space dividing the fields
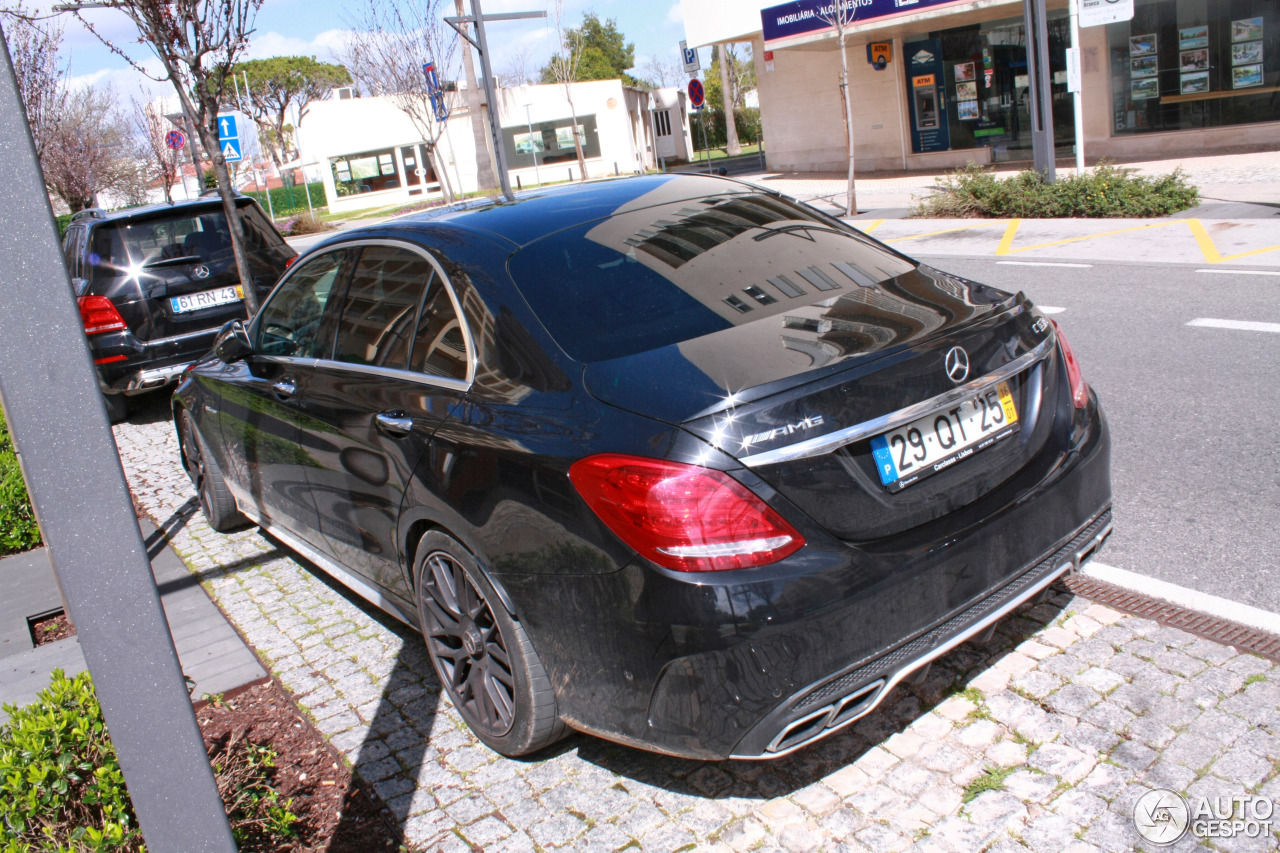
x=1224 y=631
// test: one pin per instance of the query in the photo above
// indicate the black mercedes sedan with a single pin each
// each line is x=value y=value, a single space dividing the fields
x=671 y=460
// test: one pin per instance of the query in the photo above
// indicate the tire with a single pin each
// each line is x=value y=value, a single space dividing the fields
x=509 y=704
x=215 y=499
x=117 y=407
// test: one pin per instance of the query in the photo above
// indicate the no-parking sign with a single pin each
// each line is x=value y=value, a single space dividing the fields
x=175 y=139
x=697 y=96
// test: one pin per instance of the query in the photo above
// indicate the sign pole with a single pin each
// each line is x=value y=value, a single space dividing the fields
x=1075 y=74
x=1037 y=31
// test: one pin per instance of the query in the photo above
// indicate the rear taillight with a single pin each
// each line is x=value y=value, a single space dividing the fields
x=681 y=516
x=1079 y=388
x=99 y=315
x=289 y=262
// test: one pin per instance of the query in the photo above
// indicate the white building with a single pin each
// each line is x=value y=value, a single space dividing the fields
x=375 y=156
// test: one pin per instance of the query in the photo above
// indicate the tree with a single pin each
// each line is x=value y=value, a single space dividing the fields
x=725 y=60
x=563 y=69
x=198 y=43
x=281 y=82
x=151 y=128
x=659 y=74
x=602 y=52
x=486 y=175
x=390 y=42
x=742 y=76
x=34 y=46
x=90 y=151
x=840 y=15
x=516 y=72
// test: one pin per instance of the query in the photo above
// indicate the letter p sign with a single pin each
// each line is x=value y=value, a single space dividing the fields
x=689 y=56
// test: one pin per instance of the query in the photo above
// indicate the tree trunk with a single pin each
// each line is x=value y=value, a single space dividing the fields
x=851 y=205
x=442 y=174
x=732 y=147
x=577 y=141
x=486 y=177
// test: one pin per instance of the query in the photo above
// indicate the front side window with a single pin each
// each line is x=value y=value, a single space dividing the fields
x=290 y=323
x=381 y=307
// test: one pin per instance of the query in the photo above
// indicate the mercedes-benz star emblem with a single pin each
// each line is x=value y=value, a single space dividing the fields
x=956 y=364
x=202 y=271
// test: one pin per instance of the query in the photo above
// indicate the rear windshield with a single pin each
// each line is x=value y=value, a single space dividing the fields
x=665 y=273
x=185 y=237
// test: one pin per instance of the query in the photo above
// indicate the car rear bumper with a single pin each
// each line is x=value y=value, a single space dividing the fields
x=147 y=365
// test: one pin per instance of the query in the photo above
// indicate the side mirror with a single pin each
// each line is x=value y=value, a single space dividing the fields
x=232 y=343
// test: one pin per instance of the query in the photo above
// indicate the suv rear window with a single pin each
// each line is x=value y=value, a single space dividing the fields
x=662 y=274
x=186 y=238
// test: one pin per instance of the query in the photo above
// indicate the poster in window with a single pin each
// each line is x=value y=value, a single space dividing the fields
x=1195 y=84
x=1244 y=76
x=1142 y=45
x=1195 y=60
x=1144 y=90
x=364 y=167
x=965 y=72
x=967 y=110
x=1192 y=38
x=564 y=137
x=966 y=91
x=1246 y=29
x=1246 y=53
x=1143 y=66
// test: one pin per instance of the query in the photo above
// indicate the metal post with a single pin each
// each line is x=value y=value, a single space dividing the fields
x=297 y=138
x=486 y=71
x=1077 y=96
x=1038 y=72
x=702 y=120
x=270 y=210
x=77 y=486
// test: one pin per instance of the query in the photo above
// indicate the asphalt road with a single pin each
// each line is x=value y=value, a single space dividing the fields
x=1195 y=413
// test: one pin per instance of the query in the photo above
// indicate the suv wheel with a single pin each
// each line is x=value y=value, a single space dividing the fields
x=483 y=657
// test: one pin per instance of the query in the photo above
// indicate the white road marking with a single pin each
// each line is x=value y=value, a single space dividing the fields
x=1242 y=272
x=1238 y=325
x=1050 y=309
x=1043 y=264
x=1191 y=599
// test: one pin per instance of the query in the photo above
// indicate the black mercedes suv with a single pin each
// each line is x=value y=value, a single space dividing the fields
x=156 y=283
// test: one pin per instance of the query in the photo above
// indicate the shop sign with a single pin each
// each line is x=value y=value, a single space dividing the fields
x=1095 y=13
x=805 y=17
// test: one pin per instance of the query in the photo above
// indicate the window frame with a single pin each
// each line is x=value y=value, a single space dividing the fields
x=338 y=303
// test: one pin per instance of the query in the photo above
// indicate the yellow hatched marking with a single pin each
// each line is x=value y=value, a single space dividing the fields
x=1006 y=400
x=1006 y=245
x=873 y=226
x=1210 y=251
x=985 y=224
x=1009 y=234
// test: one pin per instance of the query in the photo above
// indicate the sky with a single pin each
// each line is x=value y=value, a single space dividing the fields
x=315 y=27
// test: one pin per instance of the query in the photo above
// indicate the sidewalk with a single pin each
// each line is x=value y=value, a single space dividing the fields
x=211 y=653
x=1040 y=739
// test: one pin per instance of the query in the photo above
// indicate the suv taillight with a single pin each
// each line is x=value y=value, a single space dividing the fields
x=683 y=517
x=1079 y=388
x=99 y=315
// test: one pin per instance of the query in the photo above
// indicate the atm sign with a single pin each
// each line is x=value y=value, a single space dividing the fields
x=922 y=81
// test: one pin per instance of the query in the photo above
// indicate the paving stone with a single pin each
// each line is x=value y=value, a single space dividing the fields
x=1036 y=684
x=944 y=758
x=1133 y=755
x=1030 y=787
x=848 y=781
x=941 y=799
x=1073 y=699
x=1062 y=762
x=979 y=733
x=1192 y=751
x=908 y=778
x=558 y=830
x=818 y=799
x=1049 y=833
x=877 y=837
x=1178 y=663
x=744 y=835
x=1242 y=766
x=800 y=839
x=1036 y=650
x=667 y=839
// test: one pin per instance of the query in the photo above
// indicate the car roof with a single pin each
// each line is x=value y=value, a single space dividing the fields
x=536 y=213
x=147 y=210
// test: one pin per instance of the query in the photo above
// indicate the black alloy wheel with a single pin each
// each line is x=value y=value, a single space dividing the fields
x=483 y=656
x=215 y=499
x=468 y=646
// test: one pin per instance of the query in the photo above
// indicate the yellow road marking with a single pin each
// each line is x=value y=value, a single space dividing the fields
x=873 y=226
x=1006 y=244
x=985 y=224
x=1009 y=234
x=1210 y=251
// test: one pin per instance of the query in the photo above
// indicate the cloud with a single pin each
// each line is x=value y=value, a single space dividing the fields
x=675 y=15
x=322 y=46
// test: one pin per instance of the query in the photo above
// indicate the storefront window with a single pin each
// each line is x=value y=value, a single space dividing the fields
x=1182 y=64
x=549 y=141
x=976 y=93
x=368 y=171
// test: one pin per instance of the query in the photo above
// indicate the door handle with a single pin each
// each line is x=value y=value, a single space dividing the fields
x=284 y=388
x=394 y=424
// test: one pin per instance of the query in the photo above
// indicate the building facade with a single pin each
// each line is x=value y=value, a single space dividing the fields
x=373 y=154
x=953 y=85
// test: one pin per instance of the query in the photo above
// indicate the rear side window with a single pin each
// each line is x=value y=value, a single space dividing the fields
x=440 y=348
x=665 y=273
x=290 y=323
x=381 y=307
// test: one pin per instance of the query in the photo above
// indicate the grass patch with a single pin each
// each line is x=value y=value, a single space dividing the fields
x=700 y=156
x=1106 y=191
x=992 y=779
x=1254 y=679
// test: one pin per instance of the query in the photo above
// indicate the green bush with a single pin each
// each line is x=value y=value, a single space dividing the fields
x=18 y=528
x=1106 y=191
x=61 y=788
x=287 y=201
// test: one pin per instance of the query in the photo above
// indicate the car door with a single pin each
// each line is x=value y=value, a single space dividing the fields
x=400 y=367
x=261 y=421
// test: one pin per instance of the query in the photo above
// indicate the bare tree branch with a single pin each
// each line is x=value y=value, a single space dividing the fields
x=564 y=68
x=90 y=152
x=391 y=41
x=34 y=45
x=151 y=128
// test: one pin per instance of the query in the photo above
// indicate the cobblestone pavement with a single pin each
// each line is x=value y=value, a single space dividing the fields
x=1041 y=739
